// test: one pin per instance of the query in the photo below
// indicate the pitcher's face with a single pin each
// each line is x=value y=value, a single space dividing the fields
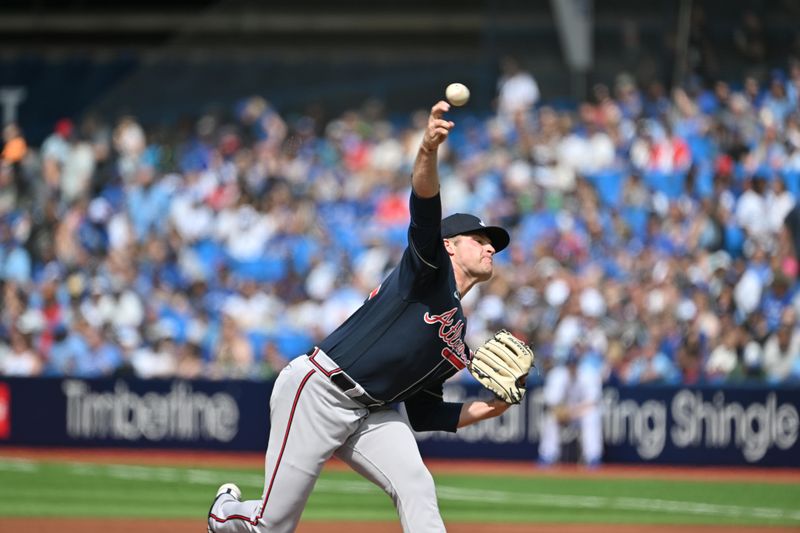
x=473 y=254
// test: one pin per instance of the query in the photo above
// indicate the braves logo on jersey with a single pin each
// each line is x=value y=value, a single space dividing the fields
x=450 y=332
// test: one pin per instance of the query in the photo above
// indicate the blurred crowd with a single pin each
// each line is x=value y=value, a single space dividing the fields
x=652 y=232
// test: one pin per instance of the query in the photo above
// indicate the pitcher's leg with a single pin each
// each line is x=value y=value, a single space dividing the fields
x=384 y=451
x=229 y=513
x=309 y=420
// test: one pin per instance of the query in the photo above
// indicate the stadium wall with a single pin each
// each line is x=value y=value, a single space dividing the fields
x=658 y=424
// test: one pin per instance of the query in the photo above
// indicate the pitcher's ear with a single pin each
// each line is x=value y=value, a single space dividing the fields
x=449 y=246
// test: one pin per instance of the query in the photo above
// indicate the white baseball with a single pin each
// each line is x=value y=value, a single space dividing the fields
x=457 y=94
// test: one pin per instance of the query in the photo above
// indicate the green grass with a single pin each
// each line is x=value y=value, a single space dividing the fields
x=53 y=489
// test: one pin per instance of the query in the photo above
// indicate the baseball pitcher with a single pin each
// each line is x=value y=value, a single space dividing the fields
x=399 y=346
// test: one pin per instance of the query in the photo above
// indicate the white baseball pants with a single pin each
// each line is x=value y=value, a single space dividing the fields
x=311 y=420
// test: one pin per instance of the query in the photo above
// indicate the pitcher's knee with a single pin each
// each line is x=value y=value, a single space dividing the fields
x=415 y=483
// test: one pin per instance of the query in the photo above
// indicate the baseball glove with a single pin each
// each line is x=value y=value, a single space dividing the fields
x=502 y=364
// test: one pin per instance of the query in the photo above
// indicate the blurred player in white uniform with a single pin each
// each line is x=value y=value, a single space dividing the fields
x=573 y=394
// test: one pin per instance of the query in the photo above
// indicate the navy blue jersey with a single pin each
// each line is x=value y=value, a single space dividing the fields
x=408 y=336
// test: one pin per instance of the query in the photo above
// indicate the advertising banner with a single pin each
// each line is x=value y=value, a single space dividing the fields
x=231 y=415
x=5 y=412
x=667 y=425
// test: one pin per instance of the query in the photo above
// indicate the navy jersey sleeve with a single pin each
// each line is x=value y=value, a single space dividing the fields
x=427 y=411
x=424 y=232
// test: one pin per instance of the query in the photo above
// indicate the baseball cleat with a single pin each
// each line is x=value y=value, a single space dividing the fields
x=231 y=489
x=225 y=488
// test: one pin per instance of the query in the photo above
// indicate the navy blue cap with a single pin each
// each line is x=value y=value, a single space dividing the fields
x=462 y=223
